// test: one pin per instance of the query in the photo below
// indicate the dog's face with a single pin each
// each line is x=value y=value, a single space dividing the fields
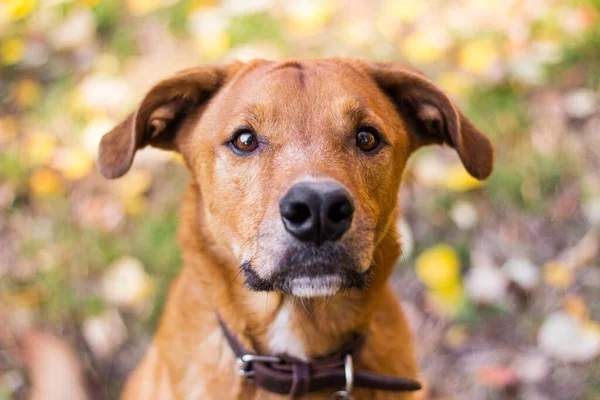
x=298 y=163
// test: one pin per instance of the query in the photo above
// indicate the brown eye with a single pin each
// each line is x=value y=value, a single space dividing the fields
x=367 y=140
x=245 y=142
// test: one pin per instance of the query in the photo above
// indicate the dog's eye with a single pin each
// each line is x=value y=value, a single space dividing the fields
x=367 y=140
x=245 y=142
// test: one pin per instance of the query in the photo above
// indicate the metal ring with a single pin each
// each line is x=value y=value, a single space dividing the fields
x=340 y=395
x=346 y=394
x=349 y=371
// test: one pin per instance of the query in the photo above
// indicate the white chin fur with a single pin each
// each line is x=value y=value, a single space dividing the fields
x=316 y=287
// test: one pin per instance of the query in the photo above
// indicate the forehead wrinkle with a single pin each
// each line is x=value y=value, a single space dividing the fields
x=350 y=112
x=256 y=116
x=353 y=109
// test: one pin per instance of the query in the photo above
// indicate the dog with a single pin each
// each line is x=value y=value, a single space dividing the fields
x=288 y=226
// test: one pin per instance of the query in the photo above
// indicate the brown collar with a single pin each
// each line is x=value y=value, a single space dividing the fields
x=288 y=375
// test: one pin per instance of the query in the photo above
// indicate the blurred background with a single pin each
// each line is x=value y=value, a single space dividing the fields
x=500 y=280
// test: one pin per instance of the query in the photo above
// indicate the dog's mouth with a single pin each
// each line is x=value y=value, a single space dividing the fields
x=311 y=271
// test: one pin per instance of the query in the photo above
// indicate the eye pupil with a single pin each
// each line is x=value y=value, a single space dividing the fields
x=245 y=142
x=367 y=141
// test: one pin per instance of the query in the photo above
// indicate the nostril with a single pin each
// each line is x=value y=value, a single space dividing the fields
x=340 y=211
x=297 y=213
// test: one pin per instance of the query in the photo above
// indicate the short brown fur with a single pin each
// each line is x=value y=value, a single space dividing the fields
x=307 y=113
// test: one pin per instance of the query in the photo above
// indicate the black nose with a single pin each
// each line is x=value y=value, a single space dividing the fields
x=316 y=211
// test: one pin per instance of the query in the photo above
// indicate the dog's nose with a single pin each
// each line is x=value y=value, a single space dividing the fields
x=316 y=211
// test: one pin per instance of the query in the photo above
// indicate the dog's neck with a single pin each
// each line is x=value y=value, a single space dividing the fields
x=271 y=322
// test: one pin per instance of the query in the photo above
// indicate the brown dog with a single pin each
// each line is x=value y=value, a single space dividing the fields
x=287 y=228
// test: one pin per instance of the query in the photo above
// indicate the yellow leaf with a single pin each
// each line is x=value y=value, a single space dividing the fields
x=213 y=45
x=27 y=92
x=90 y=3
x=439 y=268
x=19 y=9
x=454 y=84
x=134 y=205
x=478 y=56
x=309 y=16
x=39 y=147
x=421 y=47
x=195 y=5
x=141 y=7
x=591 y=328
x=558 y=275
x=74 y=163
x=456 y=336
x=447 y=301
x=12 y=51
x=575 y=306
x=135 y=183
x=131 y=189
x=458 y=179
x=8 y=128
x=45 y=182
x=404 y=11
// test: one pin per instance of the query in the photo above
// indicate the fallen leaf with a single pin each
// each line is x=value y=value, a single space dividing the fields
x=19 y=9
x=141 y=7
x=497 y=376
x=456 y=336
x=532 y=368
x=73 y=162
x=464 y=215
x=104 y=333
x=439 y=267
x=565 y=338
x=458 y=179
x=12 y=51
x=575 y=306
x=422 y=47
x=309 y=16
x=39 y=147
x=447 y=301
x=454 y=83
x=581 y=103
x=45 y=182
x=558 y=275
x=27 y=92
x=126 y=284
x=523 y=272
x=478 y=56
x=76 y=30
x=486 y=284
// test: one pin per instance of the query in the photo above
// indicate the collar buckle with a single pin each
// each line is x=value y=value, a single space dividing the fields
x=245 y=364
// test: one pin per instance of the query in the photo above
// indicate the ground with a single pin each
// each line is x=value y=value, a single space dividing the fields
x=500 y=280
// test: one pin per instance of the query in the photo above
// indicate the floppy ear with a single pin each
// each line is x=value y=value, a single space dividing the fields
x=159 y=116
x=432 y=117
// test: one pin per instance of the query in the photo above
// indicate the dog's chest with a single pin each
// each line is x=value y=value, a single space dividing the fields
x=282 y=336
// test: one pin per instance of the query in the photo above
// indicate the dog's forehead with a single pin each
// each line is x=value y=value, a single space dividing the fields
x=305 y=82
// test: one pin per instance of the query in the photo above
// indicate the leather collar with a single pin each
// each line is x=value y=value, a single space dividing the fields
x=290 y=376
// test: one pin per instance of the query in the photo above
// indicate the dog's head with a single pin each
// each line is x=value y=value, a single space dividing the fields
x=298 y=164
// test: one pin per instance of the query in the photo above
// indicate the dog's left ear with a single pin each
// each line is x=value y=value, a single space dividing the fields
x=433 y=117
x=160 y=115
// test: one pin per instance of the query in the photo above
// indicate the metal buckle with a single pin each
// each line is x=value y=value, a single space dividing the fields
x=346 y=394
x=245 y=364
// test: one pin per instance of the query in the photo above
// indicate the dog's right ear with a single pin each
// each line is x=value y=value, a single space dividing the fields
x=160 y=115
x=433 y=117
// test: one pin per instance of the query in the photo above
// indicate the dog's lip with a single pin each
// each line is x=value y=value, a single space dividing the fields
x=315 y=286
